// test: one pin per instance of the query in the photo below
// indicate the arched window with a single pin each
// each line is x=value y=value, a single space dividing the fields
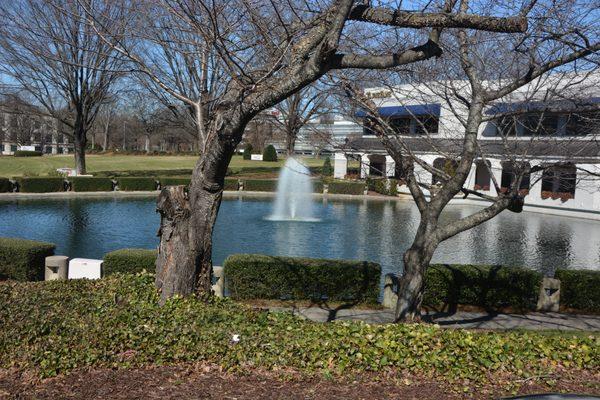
x=559 y=182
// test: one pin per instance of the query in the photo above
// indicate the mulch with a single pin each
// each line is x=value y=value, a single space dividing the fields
x=208 y=382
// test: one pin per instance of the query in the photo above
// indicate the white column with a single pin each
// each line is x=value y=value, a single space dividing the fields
x=390 y=166
x=365 y=164
x=340 y=165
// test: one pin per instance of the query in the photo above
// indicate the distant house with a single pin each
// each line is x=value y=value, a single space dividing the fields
x=556 y=123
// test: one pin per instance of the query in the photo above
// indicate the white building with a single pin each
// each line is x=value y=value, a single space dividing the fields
x=22 y=129
x=551 y=121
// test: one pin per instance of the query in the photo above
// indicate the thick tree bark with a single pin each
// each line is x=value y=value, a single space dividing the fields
x=184 y=263
x=411 y=284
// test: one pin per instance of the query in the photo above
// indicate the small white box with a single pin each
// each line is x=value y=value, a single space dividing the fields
x=85 y=268
x=256 y=157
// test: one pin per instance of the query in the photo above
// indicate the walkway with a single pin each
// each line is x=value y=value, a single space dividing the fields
x=460 y=319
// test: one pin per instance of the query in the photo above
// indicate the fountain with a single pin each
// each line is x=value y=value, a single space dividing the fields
x=294 y=194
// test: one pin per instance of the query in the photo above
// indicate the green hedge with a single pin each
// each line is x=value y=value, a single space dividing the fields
x=255 y=276
x=579 y=289
x=83 y=184
x=51 y=328
x=23 y=260
x=380 y=186
x=41 y=185
x=28 y=153
x=260 y=185
x=337 y=187
x=169 y=181
x=317 y=186
x=5 y=185
x=129 y=261
x=489 y=287
x=145 y=172
x=136 y=184
x=231 y=184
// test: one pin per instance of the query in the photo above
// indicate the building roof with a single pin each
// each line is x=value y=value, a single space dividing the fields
x=575 y=150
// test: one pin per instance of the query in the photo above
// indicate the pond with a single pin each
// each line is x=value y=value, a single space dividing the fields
x=374 y=230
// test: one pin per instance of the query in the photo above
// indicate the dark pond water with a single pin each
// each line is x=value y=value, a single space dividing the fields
x=372 y=230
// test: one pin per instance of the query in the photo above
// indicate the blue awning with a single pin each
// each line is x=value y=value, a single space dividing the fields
x=404 y=111
x=550 y=106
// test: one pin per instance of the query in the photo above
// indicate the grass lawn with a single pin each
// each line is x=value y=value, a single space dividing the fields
x=19 y=166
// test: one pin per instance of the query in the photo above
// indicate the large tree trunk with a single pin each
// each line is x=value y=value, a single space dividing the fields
x=290 y=142
x=412 y=282
x=79 y=144
x=184 y=263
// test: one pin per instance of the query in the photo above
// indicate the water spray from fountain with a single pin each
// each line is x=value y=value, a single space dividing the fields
x=294 y=193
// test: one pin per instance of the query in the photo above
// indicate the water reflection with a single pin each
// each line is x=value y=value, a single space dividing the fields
x=352 y=229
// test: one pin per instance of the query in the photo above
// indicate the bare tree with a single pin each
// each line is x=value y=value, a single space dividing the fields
x=267 y=51
x=319 y=139
x=298 y=109
x=481 y=71
x=51 y=52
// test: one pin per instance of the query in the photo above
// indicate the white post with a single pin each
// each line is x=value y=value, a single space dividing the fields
x=365 y=165
x=390 y=166
x=340 y=165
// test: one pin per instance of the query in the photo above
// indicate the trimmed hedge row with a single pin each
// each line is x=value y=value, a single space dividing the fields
x=23 y=260
x=28 y=153
x=490 y=287
x=133 y=184
x=338 y=187
x=231 y=184
x=255 y=276
x=169 y=181
x=579 y=289
x=129 y=261
x=91 y=184
x=145 y=173
x=41 y=185
x=381 y=186
x=5 y=185
x=260 y=185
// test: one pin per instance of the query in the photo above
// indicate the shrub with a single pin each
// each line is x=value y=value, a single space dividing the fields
x=147 y=173
x=252 y=170
x=317 y=186
x=129 y=261
x=383 y=186
x=580 y=289
x=174 y=181
x=136 y=184
x=254 y=276
x=270 y=154
x=23 y=260
x=260 y=185
x=327 y=168
x=490 y=287
x=54 y=327
x=41 y=185
x=28 y=153
x=83 y=184
x=5 y=185
x=338 y=187
x=231 y=184
x=248 y=152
